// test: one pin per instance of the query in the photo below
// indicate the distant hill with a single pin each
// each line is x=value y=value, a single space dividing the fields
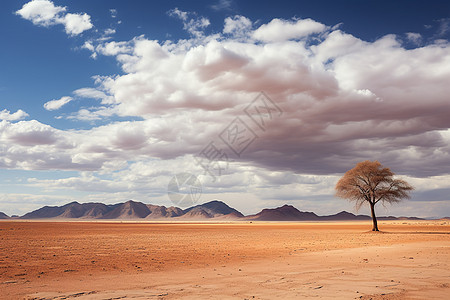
x=400 y=218
x=290 y=213
x=71 y=210
x=344 y=216
x=284 y=213
x=133 y=210
x=3 y=215
x=213 y=210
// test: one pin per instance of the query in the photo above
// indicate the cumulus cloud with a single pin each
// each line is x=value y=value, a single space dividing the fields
x=8 y=116
x=191 y=23
x=342 y=99
x=57 y=103
x=330 y=98
x=45 y=13
x=238 y=26
x=76 y=23
x=41 y=12
x=101 y=46
x=279 y=30
x=114 y=48
x=31 y=145
x=29 y=133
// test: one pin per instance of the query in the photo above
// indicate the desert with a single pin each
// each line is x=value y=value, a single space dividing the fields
x=224 y=260
x=224 y=149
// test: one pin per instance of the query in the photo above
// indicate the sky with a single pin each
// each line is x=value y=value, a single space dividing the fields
x=263 y=104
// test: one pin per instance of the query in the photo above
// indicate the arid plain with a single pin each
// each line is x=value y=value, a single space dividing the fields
x=240 y=260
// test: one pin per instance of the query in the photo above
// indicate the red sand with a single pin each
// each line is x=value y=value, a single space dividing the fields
x=93 y=260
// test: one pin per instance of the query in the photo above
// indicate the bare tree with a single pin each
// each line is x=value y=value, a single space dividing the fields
x=370 y=182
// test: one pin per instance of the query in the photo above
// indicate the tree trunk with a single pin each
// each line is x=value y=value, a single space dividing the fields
x=374 y=218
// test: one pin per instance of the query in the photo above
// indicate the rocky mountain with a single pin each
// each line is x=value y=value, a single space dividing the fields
x=128 y=210
x=71 y=210
x=214 y=210
x=3 y=215
x=161 y=212
x=95 y=210
x=48 y=212
x=197 y=213
x=133 y=210
x=284 y=213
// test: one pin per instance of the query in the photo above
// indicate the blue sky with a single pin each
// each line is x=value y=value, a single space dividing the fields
x=142 y=87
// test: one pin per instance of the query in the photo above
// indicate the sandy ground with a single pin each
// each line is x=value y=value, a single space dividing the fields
x=113 y=260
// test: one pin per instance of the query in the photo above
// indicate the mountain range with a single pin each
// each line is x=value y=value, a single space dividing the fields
x=214 y=210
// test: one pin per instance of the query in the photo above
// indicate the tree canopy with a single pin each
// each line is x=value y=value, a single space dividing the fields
x=370 y=182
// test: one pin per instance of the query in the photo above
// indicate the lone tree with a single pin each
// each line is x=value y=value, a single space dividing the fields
x=371 y=182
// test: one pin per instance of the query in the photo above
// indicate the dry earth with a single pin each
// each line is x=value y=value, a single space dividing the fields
x=114 y=260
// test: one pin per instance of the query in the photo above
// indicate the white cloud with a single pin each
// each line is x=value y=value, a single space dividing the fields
x=41 y=12
x=114 y=48
x=8 y=116
x=191 y=23
x=88 y=45
x=109 y=31
x=220 y=75
x=93 y=114
x=414 y=37
x=238 y=26
x=182 y=15
x=279 y=30
x=58 y=103
x=45 y=13
x=76 y=23
x=94 y=94
x=29 y=133
x=85 y=115
x=337 y=44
